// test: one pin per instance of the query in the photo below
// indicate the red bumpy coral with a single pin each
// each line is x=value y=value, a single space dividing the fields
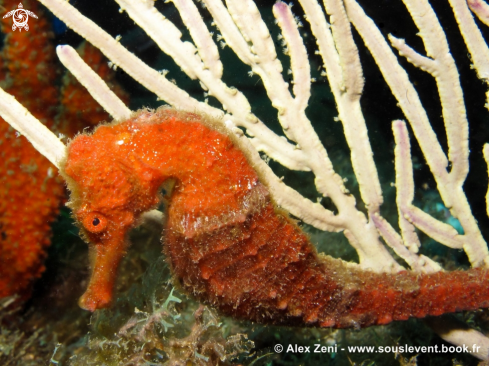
x=30 y=191
x=225 y=240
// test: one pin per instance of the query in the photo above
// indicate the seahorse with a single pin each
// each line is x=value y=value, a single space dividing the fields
x=226 y=241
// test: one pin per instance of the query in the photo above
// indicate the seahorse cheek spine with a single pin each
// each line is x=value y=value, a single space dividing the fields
x=226 y=242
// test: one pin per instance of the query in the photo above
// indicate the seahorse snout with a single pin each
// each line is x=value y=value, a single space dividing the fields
x=105 y=256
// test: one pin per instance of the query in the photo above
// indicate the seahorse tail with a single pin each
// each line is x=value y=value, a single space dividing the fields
x=265 y=269
x=330 y=293
x=388 y=297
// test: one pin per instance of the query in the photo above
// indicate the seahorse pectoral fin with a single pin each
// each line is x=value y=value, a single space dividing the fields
x=106 y=257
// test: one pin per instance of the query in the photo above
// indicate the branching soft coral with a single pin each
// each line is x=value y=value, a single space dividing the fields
x=79 y=109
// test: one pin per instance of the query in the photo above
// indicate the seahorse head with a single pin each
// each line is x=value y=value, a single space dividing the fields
x=109 y=187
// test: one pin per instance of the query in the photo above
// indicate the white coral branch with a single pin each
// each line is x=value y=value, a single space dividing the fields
x=29 y=126
x=97 y=88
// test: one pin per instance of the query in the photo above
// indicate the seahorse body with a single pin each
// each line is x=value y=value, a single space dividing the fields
x=226 y=242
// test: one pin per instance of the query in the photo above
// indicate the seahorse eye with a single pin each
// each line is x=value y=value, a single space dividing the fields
x=94 y=222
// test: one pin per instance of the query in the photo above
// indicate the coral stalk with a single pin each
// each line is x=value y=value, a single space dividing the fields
x=94 y=84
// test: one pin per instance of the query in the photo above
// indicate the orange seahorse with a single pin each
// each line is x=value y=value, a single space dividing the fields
x=227 y=243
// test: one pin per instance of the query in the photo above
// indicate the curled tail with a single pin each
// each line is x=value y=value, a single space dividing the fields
x=265 y=269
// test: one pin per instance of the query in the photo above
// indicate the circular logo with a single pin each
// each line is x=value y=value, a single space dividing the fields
x=20 y=17
x=278 y=348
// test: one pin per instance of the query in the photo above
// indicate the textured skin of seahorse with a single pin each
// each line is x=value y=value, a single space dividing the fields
x=30 y=189
x=228 y=245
